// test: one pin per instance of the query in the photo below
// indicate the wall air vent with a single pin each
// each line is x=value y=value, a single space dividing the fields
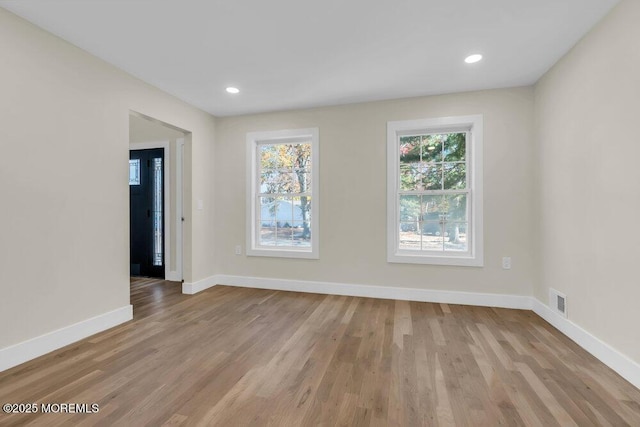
x=558 y=302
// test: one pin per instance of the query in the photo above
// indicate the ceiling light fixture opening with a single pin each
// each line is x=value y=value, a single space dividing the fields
x=233 y=90
x=472 y=59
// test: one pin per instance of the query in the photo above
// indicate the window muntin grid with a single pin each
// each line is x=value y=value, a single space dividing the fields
x=433 y=201
x=284 y=195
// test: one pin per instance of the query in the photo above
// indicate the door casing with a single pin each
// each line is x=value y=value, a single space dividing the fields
x=172 y=220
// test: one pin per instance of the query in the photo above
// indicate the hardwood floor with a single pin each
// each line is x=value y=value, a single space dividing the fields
x=234 y=356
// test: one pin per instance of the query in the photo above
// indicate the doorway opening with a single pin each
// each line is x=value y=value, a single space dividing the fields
x=156 y=153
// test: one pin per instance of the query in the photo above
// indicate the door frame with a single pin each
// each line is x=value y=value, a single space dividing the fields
x=172 y=220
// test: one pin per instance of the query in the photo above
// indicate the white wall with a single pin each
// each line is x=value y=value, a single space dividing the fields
x=64 y=138
x=353 y=194
x=587 y=112
x=561 y=185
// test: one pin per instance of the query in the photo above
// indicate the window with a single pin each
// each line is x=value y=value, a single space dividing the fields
x=282 y=205
x=158 y=220
x=434 y=191
x=134 y=172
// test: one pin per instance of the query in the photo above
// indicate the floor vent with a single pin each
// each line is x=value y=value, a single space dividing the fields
x=558 y=302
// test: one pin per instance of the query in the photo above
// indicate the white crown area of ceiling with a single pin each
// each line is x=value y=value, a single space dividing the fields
x=291 y=54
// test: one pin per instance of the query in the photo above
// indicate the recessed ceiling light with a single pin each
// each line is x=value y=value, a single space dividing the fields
x=232 y=89
x=472 y=59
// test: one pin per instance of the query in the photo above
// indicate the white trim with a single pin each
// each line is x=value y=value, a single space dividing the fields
x=190 y=288
x=282 y=136
x=179 y=214
x=367 y=291
x=474 y=124
x=383 y=292
x=622 y=364
x=172 y=217
x=27 y=350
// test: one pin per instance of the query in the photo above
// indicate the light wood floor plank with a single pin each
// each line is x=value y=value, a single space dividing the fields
x=239 y=356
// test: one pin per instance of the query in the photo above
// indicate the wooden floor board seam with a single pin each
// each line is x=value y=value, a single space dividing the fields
x=242 y=356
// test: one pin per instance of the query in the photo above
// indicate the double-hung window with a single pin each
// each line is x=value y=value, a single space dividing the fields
x=434 y=191
x=282 y=205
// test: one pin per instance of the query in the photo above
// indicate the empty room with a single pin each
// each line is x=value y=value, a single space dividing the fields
x=297 y=213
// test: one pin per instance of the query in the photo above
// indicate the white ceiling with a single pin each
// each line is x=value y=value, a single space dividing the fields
x=286 y=54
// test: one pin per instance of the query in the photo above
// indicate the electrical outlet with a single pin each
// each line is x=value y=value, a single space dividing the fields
x=506 y=263
x=238 y=250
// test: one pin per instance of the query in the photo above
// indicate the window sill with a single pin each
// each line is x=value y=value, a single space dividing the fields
x=461 y=261
x=283 y=253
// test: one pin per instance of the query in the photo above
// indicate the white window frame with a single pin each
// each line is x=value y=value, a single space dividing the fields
x=287 y=136
x=474 y=126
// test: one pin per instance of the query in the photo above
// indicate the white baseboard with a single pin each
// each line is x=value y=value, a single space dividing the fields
x=623 y=365
x=191 y=288
x=368 y=291
x=22 y=352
